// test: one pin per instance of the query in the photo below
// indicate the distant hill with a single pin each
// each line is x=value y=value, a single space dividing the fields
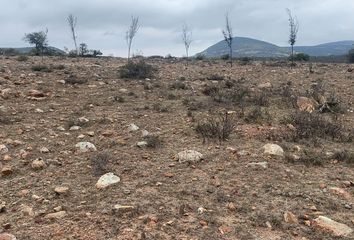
x=26 y=50
x=248 y=47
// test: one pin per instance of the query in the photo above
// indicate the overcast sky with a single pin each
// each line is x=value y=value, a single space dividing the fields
x=102 y=23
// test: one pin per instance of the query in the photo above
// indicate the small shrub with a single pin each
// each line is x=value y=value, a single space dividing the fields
x=351 y=56
x=153 y=141
x=225 y=57
x=119 y=99
x=138 y=70
x=310 y=125
x=245 y=61
x=308 y=158
x=261 y=99
x=209 y=90
x=178 y=85
x=300 y=57
x=22 y=58
x=215 y=77
x=99 y=163
x=216 y=127
x=74 y=80
x=258 y=115
x=344 y=156
x=41 y=68
x=200 y=57
x=58 y=67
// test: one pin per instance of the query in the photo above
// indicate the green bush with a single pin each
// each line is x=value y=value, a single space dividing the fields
x=22 y=58
x=41 y=68
x=300 y=57
x=138 y=70
x=351 y=56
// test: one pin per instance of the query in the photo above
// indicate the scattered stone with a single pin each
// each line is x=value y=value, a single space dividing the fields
x=133 y=128
x=61 y=190
x=91 y=134
x=145 y=133
x=265 y=85
x=123 y=208
x=328 y=225
x=123 y=90
x=142 y=144
x=2 y=207
x=107 y=180
x=6 y=171
x=263 y=165
x=340 y=192
x=36 y=94
x=57 y=215
x=3 y=149
x=306 y=104
x=44 y=150
x=108 y=133
x=27 y=210
x=243 y=153
x=189 y=156
x=7 y=236
x=58 y=209
x=231 y=206
x=273 y=149
x=86 y=147
x=289 y=217
x=38 y=164
x=83 y=120
x=74 y=128
x=7 y=157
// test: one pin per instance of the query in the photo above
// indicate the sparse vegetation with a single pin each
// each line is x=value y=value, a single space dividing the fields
x=41 y=68
x=218 y=127
x=99 y=163
x=137 y=70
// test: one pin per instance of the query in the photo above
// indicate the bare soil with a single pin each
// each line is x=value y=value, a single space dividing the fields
x=220 y=197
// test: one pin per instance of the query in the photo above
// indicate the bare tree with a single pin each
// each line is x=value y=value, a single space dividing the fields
x=72 y=20
x=228 y=36
x=130 y=34
x=294 y=28
x=187 y=39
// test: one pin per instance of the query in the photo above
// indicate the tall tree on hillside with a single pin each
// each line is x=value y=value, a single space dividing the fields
x=186 y=38
x=130 y=34
x=294 y=28
x=72 y=20
x=228 y=36
x=39 y=40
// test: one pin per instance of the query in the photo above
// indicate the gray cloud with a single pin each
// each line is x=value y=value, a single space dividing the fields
x=102 y=23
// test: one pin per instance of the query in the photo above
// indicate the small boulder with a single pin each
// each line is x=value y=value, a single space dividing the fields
x=7 y=236
x=263 y=165
x=6 y=171
x=289 y=217
x=61 y=190
x=38 y=164
x=142 y=144
x=3 y=149
x=328 y=225
x=273 y=149
x=306 y=104
x=86 y=147
x=107 y=180
x=133 y=128
x=57 y=215
x=189 y=156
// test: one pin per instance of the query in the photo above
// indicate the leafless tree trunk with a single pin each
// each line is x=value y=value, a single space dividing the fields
x=72 y=20
x=187 y=39
x=228 y=36
x=130 y=34
x=294 y=28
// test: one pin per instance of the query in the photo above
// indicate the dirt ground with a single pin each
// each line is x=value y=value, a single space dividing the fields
x=219 y=197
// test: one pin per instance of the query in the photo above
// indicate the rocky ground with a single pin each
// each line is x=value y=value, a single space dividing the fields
x=87 y=155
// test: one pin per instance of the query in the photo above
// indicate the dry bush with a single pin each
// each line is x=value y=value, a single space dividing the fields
x=138 y=70
x=308 y=158
x=41 y=68
x=311 y=125
x=99 y=163
x=258 y=115
x=178 y=85
x=344 y=156
x=72 y=79
x=218 y=127
x=153 y=141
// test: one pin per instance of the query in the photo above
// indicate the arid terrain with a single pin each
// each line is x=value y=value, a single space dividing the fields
x=236 y=190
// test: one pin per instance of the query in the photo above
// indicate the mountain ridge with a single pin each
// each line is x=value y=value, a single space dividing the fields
x=250 y=47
